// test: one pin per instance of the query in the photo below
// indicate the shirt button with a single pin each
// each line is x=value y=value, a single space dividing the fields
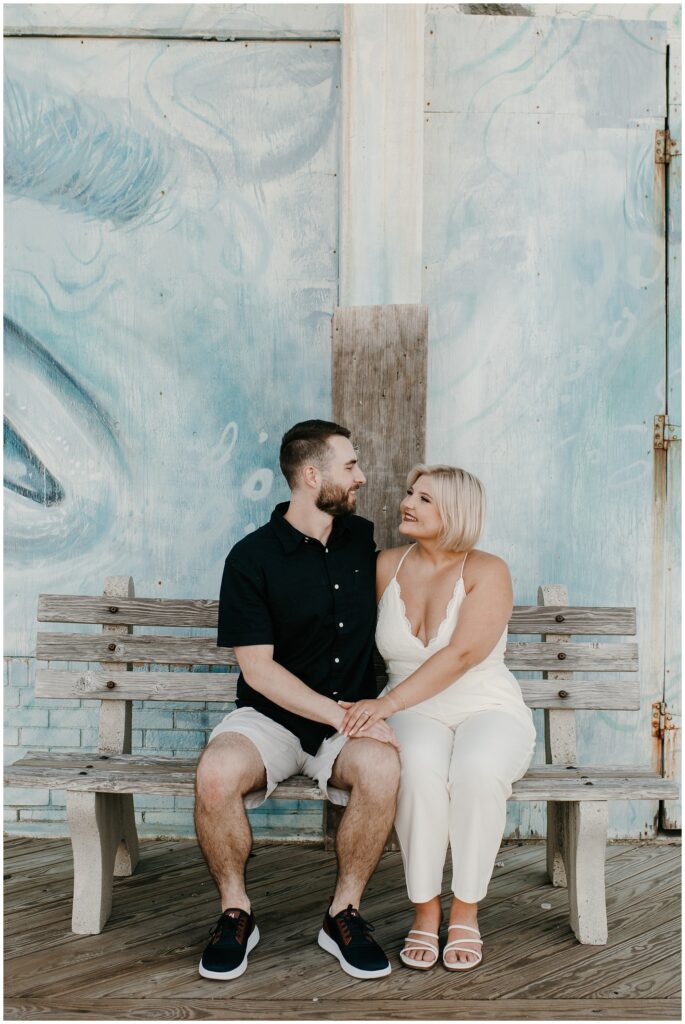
x=336 y=660
x=341 y=624
x=326 y=550
x=336 y=586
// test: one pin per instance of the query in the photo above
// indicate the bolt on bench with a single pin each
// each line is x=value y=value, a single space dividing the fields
x=100 y=786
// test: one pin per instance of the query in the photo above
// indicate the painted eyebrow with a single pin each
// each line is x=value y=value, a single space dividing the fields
x=352 y=462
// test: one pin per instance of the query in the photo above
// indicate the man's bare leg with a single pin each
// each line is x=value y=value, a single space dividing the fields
x=371 y=771
x=230 y=767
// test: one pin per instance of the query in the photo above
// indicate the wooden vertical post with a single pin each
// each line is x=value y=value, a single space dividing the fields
x=115 y=735
x=379 y=391
x=380 y=356
x=560 y=742
x=576 y=831
x=102 y=826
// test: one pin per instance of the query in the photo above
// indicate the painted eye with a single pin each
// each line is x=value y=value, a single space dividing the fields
x=25 y=473
x=64 y=472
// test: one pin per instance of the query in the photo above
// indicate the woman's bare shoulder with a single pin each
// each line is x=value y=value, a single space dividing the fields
x=481 y=564
x=386 y=564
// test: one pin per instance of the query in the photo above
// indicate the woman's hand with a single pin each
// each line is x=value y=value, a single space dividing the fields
x=365 y=713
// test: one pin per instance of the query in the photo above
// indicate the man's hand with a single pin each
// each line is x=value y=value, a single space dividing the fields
x=379 y=731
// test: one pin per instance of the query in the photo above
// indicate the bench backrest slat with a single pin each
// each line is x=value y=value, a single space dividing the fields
x=220 y=686
x=152 y=611
x=184 y=650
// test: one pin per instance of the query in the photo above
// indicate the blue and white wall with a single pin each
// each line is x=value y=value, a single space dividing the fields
x=182 y=217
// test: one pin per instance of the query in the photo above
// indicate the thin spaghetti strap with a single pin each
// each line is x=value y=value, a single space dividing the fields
x=399 y=566
x=461 y=574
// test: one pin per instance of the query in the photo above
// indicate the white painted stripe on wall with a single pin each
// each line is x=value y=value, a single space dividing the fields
x=381 y=207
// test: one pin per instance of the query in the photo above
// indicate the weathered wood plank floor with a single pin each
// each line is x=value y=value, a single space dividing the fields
x=144 y=965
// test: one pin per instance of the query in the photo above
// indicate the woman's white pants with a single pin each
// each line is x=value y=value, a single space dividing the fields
x=454 y=787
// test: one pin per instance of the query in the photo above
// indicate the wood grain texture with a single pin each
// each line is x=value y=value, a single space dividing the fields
x=581 y=693
x=166 y=686
x=158 y=649
x=154 y=611
x=379 y=392
x=116 y=822
x=137 y=773
x=200 y=1008
x=220 y=686
x=145 y=964
x=559 y=737
x=176 y=21
x=590 y=657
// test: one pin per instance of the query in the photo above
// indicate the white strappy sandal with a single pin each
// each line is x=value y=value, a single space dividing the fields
x=458 y=945
x=411 y=944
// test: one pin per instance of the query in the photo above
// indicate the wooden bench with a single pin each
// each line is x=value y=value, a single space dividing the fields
x=100 y=785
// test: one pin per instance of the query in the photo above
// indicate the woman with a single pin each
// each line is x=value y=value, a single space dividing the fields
x=465 y=732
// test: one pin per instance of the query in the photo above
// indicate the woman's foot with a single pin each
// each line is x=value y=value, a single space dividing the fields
x=468 y=951
x=427 y=917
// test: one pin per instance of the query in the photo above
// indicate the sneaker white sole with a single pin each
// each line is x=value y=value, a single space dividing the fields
x=327 y=943
x=237 y=971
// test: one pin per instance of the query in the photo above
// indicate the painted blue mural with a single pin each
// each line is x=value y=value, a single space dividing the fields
x=171 y=269
x=170 y=275
x=544 y=275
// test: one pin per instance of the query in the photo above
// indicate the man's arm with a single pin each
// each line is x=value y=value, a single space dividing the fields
x=281 y=687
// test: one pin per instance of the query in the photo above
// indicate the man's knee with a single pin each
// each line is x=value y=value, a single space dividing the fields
x=230 y=766
x=374 y=766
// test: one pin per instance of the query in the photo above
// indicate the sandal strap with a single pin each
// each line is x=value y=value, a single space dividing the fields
x=466 y=927
x=458 y=943
x=470 y=963
x=422 y=949
x=418 y=944
x=415 y=931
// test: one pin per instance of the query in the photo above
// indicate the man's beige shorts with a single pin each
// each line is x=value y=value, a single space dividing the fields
x=283 y=755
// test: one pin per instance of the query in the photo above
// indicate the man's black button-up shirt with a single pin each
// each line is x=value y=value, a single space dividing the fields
x=315 y=603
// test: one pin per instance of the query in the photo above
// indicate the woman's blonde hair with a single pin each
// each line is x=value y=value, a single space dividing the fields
x=460 y=499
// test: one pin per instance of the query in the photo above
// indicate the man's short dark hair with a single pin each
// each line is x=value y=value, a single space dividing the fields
x=307 y=442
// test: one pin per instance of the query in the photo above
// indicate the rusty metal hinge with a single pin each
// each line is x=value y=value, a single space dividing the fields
x=662 y=720
x=665 y=148
x=665 y=432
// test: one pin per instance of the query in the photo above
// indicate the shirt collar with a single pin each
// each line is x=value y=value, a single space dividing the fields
x=291 y=538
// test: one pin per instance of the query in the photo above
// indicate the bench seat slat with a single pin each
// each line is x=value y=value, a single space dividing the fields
x=156 y=611
x=219 y=686
x=138 y=774
x=162 y=762
x=184 y=650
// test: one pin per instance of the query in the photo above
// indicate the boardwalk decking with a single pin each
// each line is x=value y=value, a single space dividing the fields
x=144 y=965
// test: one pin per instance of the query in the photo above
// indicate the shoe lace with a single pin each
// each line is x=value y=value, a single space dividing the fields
x=353 y=925
x=228 y=927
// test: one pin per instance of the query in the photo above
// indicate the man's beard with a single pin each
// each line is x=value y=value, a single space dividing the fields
x=336 y=500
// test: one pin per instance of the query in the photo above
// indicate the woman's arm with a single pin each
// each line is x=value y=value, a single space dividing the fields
x=482 y=619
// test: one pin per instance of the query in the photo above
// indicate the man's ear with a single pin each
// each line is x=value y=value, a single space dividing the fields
x=310 y=475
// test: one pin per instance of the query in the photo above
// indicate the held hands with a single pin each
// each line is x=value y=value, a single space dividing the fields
x=365 y=715
x=380 y=731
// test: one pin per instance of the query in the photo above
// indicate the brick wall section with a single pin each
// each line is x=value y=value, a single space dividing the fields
x=158 y=728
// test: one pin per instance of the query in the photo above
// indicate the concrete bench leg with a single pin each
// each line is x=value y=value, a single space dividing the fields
x=127 y=855
x=585 y=842
x=100 y=827
x=555 y=845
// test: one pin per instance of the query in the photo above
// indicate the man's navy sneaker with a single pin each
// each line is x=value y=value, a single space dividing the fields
x=225 y=957
x=347 y=937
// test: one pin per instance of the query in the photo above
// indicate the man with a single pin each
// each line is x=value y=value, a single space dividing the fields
x=298 y=605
